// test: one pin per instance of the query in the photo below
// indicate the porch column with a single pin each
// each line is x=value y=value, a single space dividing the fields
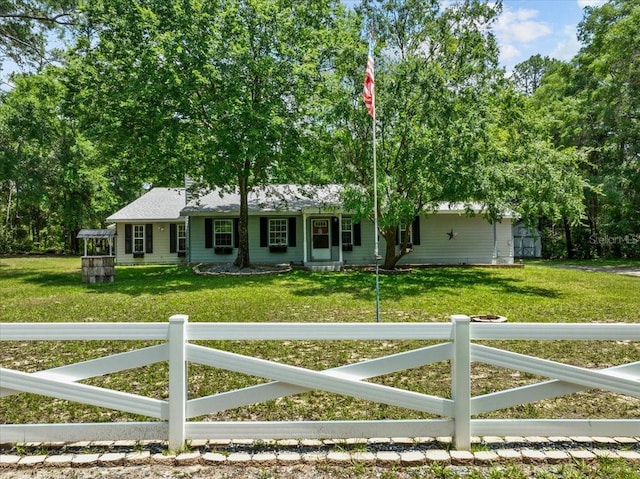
x=304 y=238
x=495 y=244
x=340 y=238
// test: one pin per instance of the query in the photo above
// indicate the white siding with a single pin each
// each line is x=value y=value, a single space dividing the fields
x=473 y=243
x=504 y=232
x=160 y=255
x=257 y=254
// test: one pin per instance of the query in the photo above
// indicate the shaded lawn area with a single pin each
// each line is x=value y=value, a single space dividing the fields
x=51 y=289
x=42 y=289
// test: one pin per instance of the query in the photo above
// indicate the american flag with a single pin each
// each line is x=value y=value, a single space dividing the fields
x=368 y=93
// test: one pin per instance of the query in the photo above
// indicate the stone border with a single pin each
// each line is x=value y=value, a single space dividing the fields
x=261 y=270
x=485 y=451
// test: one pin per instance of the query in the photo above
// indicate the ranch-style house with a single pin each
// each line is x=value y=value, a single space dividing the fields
x=296 y=225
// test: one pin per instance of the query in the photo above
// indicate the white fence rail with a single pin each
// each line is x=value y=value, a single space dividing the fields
x=172 y=416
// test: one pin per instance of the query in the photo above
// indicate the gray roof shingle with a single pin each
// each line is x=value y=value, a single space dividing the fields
x=158 y=204
x=273 y=198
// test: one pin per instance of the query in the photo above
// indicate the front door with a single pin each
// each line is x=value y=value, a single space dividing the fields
x=320 y=240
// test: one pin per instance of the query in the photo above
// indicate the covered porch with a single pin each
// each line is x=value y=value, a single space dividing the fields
x=323 y=236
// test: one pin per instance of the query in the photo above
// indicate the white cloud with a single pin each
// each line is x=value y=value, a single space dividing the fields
x=516 y=29
x=568 y=45
x=508 y=52
x=520 y=26
x=590 y=3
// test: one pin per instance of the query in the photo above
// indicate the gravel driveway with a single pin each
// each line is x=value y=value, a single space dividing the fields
x=625 y=270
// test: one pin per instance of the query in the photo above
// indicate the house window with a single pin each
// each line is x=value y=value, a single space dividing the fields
x=181 y=233
x=223 y=233
x=278 y=232
x=406 y=231
x=347 y=231
x=138 y=239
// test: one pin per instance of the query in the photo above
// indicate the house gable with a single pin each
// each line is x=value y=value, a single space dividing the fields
x=151 y=229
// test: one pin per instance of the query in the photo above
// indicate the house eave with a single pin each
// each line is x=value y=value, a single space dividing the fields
x=147 y=220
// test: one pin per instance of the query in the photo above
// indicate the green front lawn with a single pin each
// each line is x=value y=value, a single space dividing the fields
x=43 y=289
x=51 y=289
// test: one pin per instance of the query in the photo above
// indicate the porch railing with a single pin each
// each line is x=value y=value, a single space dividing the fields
x=172 y=416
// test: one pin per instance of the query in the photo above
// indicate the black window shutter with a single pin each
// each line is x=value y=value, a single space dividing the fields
x=398 y=235
x=173 y=238
x=128 y=239
x=357 y=234
x=264 y=231
x=335 y=231
x=415 y=231
x=148 y=238
x=236 y=232
x=292 y=231
x=208 y=233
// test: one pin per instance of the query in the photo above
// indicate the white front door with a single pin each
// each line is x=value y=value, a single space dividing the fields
x=320 y=240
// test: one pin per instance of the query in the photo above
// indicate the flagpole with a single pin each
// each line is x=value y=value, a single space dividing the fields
x=369 y=96
x=376 y=251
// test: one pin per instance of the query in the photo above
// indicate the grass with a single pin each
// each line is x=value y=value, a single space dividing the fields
x=44 y=289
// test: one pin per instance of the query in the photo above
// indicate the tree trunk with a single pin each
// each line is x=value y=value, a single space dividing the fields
x=391 y=257
x=567 y=236
x=242 y=260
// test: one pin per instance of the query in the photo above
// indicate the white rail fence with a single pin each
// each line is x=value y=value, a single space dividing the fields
x=171 y=417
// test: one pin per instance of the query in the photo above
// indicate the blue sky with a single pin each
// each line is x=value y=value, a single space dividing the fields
x=547 y=27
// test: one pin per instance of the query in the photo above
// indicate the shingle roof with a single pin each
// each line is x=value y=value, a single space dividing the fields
x=292 y=198
x=268 y=199
x=157 y=204
x=97 y=233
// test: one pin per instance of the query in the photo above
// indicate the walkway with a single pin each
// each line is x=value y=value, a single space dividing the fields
x=380 y=452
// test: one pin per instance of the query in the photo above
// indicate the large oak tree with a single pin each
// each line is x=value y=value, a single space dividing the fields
x=218 y=90
x=449 y=126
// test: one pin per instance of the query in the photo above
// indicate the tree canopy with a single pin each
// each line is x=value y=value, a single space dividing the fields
x=25 y=27
x=242 y=93
x=50 y=175
x=216 y=90
x=449 y=127
x=593 y=104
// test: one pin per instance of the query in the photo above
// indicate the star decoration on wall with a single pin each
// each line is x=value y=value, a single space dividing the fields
x=452 y=234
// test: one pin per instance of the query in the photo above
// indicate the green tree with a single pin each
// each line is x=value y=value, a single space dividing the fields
x=449 y=127
x=592 y=104
x=51 y=183
x=218 y=90
x=528 y=74
x=610 y=63
x=25 y=27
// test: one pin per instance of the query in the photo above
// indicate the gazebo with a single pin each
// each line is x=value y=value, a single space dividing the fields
x=98 y=261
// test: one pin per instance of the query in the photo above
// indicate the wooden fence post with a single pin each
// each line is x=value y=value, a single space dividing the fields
x=461 y=381
x=177 y=380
